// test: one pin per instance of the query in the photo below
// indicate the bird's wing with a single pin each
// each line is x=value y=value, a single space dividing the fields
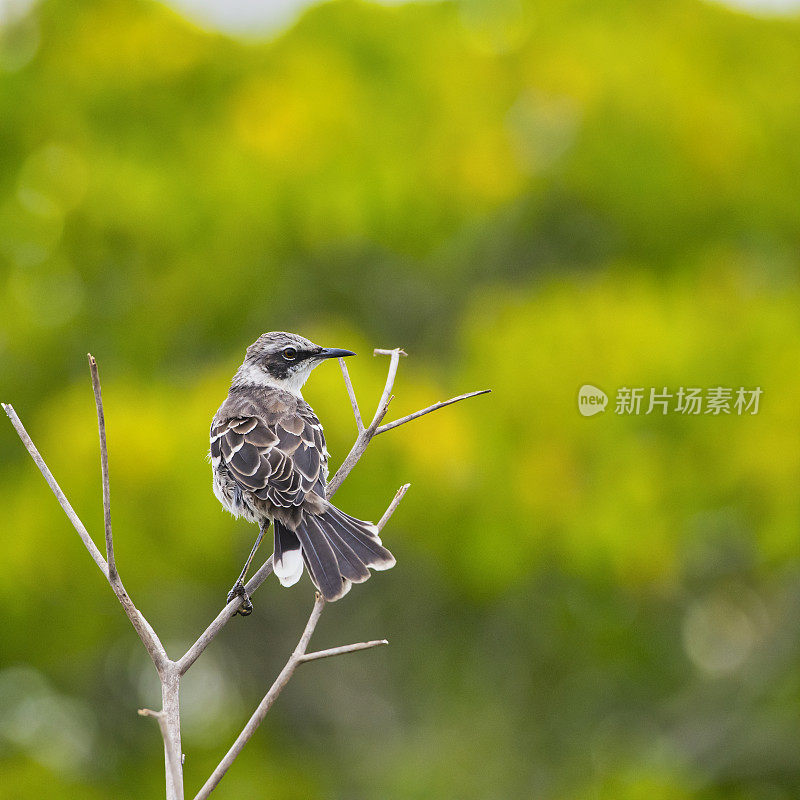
x=280 y=459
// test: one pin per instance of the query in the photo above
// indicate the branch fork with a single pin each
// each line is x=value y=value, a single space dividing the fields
x=170 y=672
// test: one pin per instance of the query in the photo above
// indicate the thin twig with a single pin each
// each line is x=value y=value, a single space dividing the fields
x=101 y=426
x=365 y=436
x=435 y=407
x=399 y=495
x=169 y=720
x=340 y=651
x=386 y=397
x=352 y=395
x=141 y=625
x=222 y=619
x=379 y=352
x=56 y=489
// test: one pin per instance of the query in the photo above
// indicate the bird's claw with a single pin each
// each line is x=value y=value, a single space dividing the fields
x=238 y=590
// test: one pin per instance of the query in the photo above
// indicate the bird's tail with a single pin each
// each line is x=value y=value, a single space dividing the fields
x=337 y=550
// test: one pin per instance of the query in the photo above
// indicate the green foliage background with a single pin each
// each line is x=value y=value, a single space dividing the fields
x=526 y=196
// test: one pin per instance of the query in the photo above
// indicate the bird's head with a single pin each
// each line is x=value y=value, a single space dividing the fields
x=284 y=360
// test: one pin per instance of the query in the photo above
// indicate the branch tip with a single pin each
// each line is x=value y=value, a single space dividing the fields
x=343 y=650
x=435 y=407
x=399 y=495
x=380 y=352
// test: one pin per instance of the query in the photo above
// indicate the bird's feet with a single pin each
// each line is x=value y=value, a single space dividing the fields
x=238 y=590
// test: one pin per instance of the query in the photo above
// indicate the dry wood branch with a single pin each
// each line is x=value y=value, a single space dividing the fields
x=379 y=352
x=352 y=395
x=401 y=493
x=141 y=625
x=297 y=657
x=435 y=407
x=345 y=648
x=170 y=721
x=173 y=765
x=101 y=426
x=386 y=397
x=56 y=489
x=365 y=435
x=264 y=706
x=222 y=619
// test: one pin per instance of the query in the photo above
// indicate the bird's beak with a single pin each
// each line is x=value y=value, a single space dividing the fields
x=334 y=352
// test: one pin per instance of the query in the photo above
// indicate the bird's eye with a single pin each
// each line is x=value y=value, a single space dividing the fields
x=289 y=353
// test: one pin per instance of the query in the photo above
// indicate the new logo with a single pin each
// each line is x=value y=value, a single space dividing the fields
x=591 y=400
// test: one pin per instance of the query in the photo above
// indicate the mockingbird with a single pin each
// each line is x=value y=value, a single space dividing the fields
x=270 y=464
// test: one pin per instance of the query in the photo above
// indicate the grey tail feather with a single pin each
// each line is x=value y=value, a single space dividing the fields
x=338 y=549
x=361 y=537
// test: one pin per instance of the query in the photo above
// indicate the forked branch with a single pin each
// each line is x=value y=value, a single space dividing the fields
x=298 y=657
x=169 y=671
x=141 y=625
x=365 y=435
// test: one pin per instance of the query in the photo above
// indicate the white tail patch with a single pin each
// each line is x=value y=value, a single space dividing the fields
x=289 y=567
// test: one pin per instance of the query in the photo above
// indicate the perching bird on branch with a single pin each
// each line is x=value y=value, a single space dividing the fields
x=270 y=464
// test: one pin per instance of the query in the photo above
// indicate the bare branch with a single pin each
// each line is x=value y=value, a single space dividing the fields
x=264 y=706
x=340 y=651
x=435 y=407
x=352 y=395
x=227 y=613
x=386 y=397
x=142 y=626
x=308 y=632
x=172 y=755
x=169 y=719
x=399 y=495
x=170 y=672
x=56 y=489
x=222 y=619
x=365 y=436
x=297 y=657
x=378 y=352
x=170 y=723
x=101 y=425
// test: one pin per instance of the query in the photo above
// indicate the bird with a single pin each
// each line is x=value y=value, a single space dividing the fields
x=269 y=464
